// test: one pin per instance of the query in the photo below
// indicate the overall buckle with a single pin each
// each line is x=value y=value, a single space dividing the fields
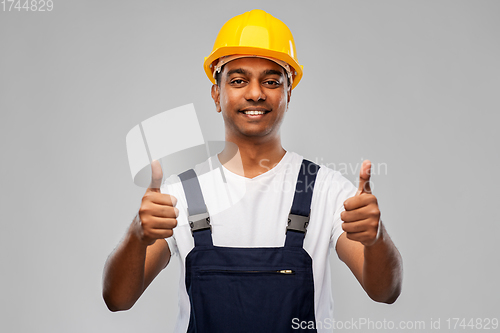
x=297 y=223
x=199 y=222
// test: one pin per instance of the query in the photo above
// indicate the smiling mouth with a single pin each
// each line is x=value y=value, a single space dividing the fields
x=254 y=112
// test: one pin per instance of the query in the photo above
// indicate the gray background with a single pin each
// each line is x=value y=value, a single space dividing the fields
x=413 y=85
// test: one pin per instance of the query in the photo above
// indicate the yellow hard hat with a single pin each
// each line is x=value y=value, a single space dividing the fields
x=255 y=33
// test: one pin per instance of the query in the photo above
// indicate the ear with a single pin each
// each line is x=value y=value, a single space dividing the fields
x=288 y=95
x=216 y=97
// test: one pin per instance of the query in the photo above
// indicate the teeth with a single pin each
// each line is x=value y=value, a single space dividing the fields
x=254 y=112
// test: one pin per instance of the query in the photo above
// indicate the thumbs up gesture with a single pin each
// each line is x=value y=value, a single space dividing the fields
x=362 y=215
x=157 y=214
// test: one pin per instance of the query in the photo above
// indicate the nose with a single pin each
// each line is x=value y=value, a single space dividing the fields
x=255 y=92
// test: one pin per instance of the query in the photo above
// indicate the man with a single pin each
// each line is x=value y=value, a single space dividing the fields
x=254 y=68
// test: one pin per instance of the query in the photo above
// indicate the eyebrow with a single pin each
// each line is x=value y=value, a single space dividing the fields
x=273 y=72
x=236 y=70
x=244 y=72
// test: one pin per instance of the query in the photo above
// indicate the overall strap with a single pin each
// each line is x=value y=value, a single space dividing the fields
x=301 y=206
x=198 y=217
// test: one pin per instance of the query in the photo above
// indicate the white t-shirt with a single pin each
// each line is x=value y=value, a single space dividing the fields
x=253 y=212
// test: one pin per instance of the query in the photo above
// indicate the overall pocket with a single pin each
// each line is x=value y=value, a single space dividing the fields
x=251 y=299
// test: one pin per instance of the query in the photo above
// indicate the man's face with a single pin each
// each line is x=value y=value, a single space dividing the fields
x=252 y=84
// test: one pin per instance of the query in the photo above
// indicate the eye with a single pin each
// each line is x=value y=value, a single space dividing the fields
x=237 y=82
x=272 y=83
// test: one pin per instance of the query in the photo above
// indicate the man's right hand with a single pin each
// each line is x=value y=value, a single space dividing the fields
x=157 y=215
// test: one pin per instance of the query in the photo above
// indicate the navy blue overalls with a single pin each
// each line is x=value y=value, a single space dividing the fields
x=250 y=289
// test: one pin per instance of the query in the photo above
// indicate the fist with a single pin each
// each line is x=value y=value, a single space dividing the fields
x=362 y=215
x=157 y=214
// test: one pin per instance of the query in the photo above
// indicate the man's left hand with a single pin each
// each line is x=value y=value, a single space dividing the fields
x=362 y=215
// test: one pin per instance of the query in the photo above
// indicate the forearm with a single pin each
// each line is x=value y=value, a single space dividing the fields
x=123 y=278
x=382 y=269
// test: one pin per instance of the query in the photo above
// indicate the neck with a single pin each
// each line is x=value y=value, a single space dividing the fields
x=250 y=159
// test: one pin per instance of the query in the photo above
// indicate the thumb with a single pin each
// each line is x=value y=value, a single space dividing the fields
x=156 y=176
x=364 y=178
